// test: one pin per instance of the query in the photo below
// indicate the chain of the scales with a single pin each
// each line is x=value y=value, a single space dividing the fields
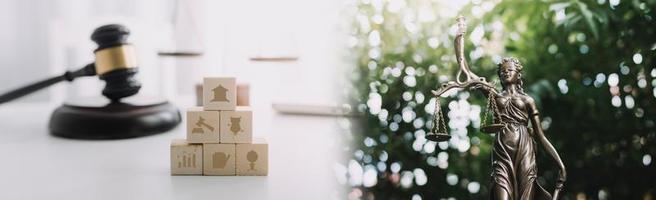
x=491 y=108
x=438 y=132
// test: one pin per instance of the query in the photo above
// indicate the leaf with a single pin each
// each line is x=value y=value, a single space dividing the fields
x=559 y=6
x=589 y=18
x=572 y=19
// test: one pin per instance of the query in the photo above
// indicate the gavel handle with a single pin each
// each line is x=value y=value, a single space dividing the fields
x=208 y=126
x=88 y=70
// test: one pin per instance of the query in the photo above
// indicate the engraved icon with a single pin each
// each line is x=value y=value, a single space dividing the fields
x=220 y=94
x=199 y=126
x=235 y=125
x=219 y=160
x=187 y=160
x=251 y=157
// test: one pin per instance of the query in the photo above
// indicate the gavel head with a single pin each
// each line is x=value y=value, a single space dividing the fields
x=115 y=62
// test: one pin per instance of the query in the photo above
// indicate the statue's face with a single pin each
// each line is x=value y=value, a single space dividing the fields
x=508 y=73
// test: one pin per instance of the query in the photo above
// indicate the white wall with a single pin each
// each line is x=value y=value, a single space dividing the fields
x=44 y=38
x=23 y=43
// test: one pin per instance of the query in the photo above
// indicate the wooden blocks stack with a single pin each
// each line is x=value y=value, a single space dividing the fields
x=220 y=136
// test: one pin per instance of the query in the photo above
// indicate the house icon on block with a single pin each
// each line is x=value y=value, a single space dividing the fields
x=220 y=94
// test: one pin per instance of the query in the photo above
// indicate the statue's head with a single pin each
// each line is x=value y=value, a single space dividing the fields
x=510 y=71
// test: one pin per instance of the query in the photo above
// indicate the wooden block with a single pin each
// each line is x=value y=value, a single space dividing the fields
x=219 y=93
x=186 y=158
x=199 y=94
x=237 y=125
x=219 y=159
x=243 y=94
x=253 y=159
x=202 y=126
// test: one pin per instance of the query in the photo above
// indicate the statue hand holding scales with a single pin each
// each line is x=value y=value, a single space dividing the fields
x=514 y=169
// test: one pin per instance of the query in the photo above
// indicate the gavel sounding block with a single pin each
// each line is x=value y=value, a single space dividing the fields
x=219 y=93
x=186 y=158
x=253 y=158
x=219 y=159
x=237 y=125
x=202 y=125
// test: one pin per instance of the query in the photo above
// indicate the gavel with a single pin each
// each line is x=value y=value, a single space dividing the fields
x=115 y=63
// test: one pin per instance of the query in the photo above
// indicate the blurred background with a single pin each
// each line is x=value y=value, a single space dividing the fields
x=289 y=52
x=44 y=38
x=588 y=64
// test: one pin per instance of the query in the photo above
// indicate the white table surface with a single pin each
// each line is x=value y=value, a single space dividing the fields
x=36 y=165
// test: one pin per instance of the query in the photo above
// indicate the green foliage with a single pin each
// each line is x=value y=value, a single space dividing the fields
x=569 y=49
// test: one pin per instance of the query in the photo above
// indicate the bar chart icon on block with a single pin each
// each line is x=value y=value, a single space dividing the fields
x=186 y=158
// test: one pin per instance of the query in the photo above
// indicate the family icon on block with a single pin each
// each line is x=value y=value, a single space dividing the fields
x=220 y=136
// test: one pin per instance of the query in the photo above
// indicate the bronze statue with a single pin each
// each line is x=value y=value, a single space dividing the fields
x=514 y=169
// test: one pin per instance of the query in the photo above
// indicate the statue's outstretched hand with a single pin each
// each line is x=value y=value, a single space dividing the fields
x=562 y=177
x=560 y=182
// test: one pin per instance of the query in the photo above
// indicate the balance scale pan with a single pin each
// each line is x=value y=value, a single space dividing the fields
x=438 y=137
x=492 y=128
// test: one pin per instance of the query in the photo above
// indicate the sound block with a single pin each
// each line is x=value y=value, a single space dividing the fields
x=99 y=119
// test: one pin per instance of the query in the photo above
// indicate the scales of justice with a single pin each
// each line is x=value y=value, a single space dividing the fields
x=514 y=169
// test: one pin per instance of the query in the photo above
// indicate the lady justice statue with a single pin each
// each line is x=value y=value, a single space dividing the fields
x=514 y=169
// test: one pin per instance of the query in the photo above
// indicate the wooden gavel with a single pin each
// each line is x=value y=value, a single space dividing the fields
x=115 y=64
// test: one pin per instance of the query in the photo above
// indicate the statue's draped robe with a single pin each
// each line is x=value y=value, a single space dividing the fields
x=514 y=168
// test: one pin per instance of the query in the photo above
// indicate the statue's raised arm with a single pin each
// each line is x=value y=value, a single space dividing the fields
x=471 y=80
x=459 y=45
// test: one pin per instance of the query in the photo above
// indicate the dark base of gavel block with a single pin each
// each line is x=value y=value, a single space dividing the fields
x=98 y=119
